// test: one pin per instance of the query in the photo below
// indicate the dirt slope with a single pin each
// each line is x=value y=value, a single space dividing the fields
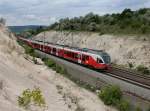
x=18 y=74
x=123 y=49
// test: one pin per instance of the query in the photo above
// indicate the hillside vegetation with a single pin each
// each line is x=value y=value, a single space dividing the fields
x=127 y=22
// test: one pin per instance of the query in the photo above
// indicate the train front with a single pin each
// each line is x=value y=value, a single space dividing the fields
x=106 y=61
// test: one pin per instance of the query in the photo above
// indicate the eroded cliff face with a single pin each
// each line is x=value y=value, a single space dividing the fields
x=122 y=49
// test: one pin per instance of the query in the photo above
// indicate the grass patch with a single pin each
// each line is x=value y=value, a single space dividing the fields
x=148 y=109
x=123 y=105
x=28 y=50
x=51 y=64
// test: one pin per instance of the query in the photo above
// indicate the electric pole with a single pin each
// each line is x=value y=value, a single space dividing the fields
x=72 y=39
x=44 y=45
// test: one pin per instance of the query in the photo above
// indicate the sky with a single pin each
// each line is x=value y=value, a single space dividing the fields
x=46 y=12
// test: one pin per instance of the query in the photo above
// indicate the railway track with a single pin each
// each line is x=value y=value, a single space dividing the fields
x=130 y=76
x=122 y=74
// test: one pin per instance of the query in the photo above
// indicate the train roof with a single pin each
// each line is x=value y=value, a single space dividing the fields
x=93 y=51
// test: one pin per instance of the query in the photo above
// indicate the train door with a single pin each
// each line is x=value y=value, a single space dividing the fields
x=79 y=58
x=57 y=51
x=85 y=59
x=41 y=47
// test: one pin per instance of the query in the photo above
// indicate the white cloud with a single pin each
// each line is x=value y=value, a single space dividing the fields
x=23 y=12
x=30 y=16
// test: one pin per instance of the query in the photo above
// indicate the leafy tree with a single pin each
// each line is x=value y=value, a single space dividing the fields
x=91 y=26
x=126 y=22
x=142 y=10
x=127 y=13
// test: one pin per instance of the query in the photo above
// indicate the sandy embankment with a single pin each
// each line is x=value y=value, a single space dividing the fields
x=17 y=74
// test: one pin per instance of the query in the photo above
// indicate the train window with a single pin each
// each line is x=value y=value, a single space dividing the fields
x=76 y=56
x=69 y=53
x=54 y=49
x=65 y=52
x=84 y=57
x=99 y=60
x=79 y=56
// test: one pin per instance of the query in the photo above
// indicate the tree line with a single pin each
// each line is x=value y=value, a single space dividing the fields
x=126 y=22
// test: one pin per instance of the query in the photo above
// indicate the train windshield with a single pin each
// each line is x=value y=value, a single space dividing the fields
x=106 y=58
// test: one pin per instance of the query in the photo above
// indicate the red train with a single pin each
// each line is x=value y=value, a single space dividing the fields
x=97 y=59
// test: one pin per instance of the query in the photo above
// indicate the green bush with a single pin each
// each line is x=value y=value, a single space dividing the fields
x=123 y=105
x=130 y=65
x=29 y=50
x=110 y=95
x=148 y=108
x=28 y=97
x=60 y=69
x=50 y=63
x=38 y=97
x=138 y=108
x=25 y=99
x=143 y=69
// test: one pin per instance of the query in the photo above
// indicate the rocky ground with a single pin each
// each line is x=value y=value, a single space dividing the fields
x=122 y=49
x=18 y=72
